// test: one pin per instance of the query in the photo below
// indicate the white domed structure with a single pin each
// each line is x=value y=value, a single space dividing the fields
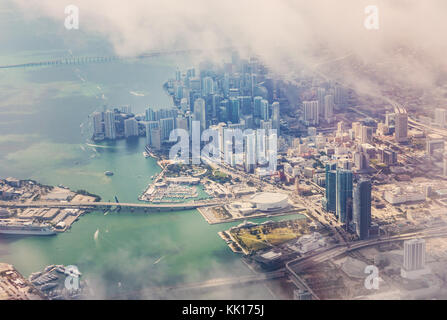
x=269 y=201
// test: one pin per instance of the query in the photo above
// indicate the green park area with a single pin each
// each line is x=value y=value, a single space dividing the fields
x=261 y=236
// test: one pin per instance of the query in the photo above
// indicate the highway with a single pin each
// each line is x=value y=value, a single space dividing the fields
x=59 y=204
x=417 y=125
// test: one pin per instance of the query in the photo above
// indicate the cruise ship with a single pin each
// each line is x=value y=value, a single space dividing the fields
x=25 y=229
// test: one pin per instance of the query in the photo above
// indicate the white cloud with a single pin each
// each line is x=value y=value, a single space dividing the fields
x=278 y=31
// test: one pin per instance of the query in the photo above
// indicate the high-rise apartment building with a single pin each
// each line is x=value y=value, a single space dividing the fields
x=311 y=115
x=200 y=112
x=344 y=194
x=414 y=259
x=401 y=127
x=109 y=125
x=362 y=208
x=130 y=127
x=331 y=195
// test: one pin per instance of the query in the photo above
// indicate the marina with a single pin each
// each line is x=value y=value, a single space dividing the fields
x=161 y=192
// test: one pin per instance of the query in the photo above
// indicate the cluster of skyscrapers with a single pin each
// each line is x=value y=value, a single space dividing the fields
x=322 y=107
x=351 y=203
x=114 y=124
x=122 y=123
x=239 y=94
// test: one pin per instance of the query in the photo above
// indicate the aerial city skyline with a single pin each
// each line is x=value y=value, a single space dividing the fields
x=199 y=169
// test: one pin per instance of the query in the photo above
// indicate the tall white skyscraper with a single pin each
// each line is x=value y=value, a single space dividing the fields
x=149 y=125
x=130 y=128
x=207 y=86
x=228 y=152
x=98 y=128
x=109 y=125
x=414 y=258
x=166 y=126
x=414 y=254
x=311 y=115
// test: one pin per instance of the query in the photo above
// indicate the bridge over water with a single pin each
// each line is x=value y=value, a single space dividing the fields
x=71 y=60
x=60 y=204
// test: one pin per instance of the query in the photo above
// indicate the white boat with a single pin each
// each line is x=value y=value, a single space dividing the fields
x=95 y=236
x=25 y=229
x=158 y=260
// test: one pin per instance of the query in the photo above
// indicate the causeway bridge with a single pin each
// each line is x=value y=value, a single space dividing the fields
x=72 y=60
x=88 y=205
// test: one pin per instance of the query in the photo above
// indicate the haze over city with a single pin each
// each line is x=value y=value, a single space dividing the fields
x=255 y=150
